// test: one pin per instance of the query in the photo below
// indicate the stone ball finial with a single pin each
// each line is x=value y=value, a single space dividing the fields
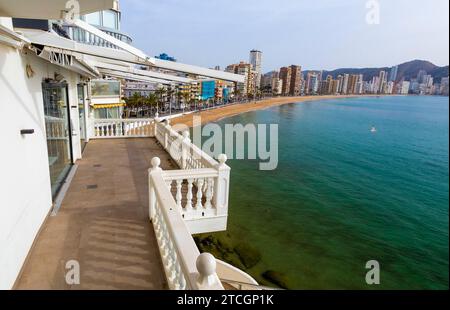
x=206 y=265
x=156 y=162
x=222 y=159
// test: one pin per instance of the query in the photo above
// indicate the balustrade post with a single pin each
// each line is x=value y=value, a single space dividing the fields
x=185 y=148
x=156 y=122
x=167 y=134
x=222 y=186
x=207 y=278
x=156 y=162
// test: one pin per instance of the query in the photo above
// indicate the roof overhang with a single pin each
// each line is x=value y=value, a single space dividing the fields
x=11 y=38
x=51 y=9
x=49 y=39
x=120 y=44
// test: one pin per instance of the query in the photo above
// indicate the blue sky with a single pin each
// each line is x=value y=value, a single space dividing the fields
x=320 y=34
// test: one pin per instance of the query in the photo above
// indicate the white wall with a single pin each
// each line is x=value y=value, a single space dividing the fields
x=25 y=191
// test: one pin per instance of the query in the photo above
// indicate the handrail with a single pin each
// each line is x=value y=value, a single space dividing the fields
x=175 y=175
x=184 y=152
x=122 y=128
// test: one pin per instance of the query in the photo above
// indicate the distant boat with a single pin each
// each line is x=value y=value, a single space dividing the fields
x=374 y=129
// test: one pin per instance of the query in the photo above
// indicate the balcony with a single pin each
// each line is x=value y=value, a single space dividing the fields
x=128 y=217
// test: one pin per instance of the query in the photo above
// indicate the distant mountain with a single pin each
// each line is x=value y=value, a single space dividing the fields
x=407 y=70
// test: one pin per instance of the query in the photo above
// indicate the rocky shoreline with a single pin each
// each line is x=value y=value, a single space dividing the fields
x=240 y=255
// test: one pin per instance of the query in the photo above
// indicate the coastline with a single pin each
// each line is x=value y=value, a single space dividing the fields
x=254 y=255
x=220 y=113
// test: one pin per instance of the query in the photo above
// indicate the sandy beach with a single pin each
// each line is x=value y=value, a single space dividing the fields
x=232 y=110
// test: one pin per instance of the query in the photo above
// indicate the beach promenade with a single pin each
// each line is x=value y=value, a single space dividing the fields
x=216 y=114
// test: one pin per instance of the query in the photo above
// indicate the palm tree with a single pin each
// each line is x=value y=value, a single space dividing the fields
x=151 y=101
x=160 y=93
x=170 y=93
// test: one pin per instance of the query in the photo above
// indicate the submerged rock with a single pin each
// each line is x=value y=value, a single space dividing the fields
x=249 y=256
x=276 y=278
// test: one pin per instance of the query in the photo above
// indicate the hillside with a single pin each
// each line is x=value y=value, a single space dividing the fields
x=407 y=70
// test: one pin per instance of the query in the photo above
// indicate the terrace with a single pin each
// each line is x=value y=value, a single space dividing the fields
x=137 y=197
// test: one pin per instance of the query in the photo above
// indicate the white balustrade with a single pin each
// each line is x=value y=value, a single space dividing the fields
x=187 y=155
x=184 y=266
x=122 y=128
x=201 y=187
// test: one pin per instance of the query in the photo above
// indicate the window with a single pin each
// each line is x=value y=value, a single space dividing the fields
x=57 y=124
x=108 y=113
x=93 y=19
x=110 y=19
x=105 y=88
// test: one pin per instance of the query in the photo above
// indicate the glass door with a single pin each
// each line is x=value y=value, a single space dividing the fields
x=82 y=115
x=57 y=123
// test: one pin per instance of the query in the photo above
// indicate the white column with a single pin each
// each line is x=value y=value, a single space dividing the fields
x=222 y=186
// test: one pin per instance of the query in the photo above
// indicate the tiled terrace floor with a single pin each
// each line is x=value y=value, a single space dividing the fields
x=103 y=223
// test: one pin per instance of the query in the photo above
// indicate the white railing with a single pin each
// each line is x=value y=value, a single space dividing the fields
x=201 y=188
x=122 y=128
x=187 y=155
x=184 y=267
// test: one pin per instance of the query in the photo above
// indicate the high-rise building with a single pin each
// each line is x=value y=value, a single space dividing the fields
x=340 y=80
x=359 y=84
x=296 y=75
x=382 y=82
x=345 y=84
x=244 y=69
x=393 y=74
x=328 y=85
x=444 y=87
x=208 y=89
x=285 y=76
x=277 y=86
x=404 y=89
x=420 y=76
x=390 y=88
x=256 y=62
x=353 y=79
x=312 y=83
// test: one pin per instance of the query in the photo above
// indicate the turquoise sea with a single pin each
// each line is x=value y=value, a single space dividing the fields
x=342 y=195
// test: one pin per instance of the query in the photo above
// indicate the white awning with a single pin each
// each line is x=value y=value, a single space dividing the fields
x=50 y=9
x=138 y=72
x=133 y=77
x=69 y=61
x=215 y=74
x=108 y=55
x=158 y=63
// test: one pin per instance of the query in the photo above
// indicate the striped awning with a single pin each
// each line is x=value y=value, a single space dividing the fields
x=108 y=106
